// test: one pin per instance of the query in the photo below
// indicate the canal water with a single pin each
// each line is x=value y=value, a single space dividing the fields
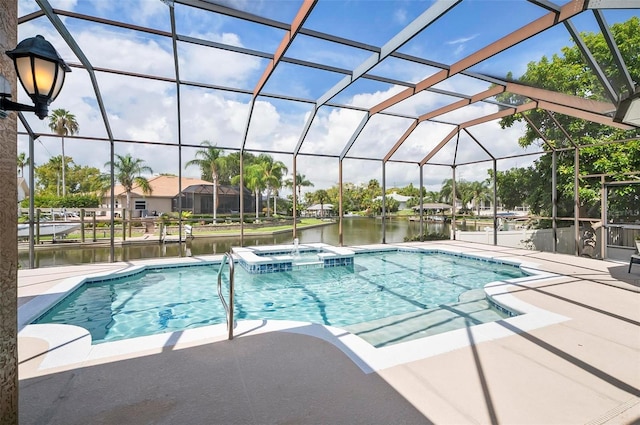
x=356 y=231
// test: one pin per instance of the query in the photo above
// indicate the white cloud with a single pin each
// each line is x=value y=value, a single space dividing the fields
x=147 y=11
x=27 y=6
x=202 y=64
x=461 y=40
x=400 y=16
x=368 y=100
x=118 y=50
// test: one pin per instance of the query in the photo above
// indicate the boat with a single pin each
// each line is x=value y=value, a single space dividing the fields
x=48 y=229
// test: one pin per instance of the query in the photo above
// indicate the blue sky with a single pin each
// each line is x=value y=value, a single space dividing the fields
x=146 y=110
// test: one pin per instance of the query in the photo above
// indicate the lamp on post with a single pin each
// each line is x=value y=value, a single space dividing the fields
x=41 y=72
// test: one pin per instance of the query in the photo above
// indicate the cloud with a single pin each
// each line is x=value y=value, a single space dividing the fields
x=400 y=16
x=461 y=44
x=462 y=40
x=368 y=100
x=27 y=6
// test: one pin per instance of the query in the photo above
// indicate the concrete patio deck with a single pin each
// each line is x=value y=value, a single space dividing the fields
x=585 y=370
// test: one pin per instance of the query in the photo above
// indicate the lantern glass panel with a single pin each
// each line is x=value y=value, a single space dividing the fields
x=44 y=72
x=59 y=82
x=23 y=68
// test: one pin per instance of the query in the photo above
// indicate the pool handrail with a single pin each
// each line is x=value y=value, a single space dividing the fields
x=228 y=308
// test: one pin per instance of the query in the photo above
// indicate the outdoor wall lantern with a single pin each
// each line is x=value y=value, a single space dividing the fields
x=41 y=72
x=628 y=111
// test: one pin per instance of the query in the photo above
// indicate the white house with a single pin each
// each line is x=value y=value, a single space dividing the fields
x=318 y=210
x=402 y=200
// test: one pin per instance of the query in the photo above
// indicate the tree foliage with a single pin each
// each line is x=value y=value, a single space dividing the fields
x=569 y=73
x=80 y=179
x=273 y=174
x=211 y=161
x=22 y=161
x=128 y=172
x=301 y=181
x=69 y=201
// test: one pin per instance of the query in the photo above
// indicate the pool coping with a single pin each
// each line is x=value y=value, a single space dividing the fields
x=70 y=346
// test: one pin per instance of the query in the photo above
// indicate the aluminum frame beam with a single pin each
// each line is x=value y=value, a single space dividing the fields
x=591 y=61
x=615 y=51
x=533 y=28
x=424 y=20
x=443 y=110
x=486 y=118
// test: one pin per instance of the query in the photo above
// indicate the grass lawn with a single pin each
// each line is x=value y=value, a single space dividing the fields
x=221 y=229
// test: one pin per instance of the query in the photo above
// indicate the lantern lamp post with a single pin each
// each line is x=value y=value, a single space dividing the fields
x=41 y=72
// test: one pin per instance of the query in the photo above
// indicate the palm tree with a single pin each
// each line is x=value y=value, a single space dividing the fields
x=446 y=192
x=22 y=162
x=301 y=180
x=273 y=174
x=321 y=196
x=127 y=172
x=212 y=164
x=479 y=192
x=56 y=163
x=253 y=180
x=63 y=123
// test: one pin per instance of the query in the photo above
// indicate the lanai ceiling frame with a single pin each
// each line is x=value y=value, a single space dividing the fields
x=265 y=21
x=587 y=109
x=236 y=49
x=599 y=112
x=153 y=31
x=546 y=99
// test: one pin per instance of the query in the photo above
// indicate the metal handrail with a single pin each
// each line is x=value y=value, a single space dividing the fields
x=228 y=308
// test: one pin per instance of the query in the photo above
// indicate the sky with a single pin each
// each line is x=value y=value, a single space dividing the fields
x=145 y=110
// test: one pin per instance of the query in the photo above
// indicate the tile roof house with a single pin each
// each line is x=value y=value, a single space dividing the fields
x=165 y=190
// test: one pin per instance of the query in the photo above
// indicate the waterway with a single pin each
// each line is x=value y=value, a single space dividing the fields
x=356 y=231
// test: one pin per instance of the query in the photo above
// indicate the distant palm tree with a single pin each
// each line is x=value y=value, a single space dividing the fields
x=127 y=172
x=22 y=162
x=254 y=180
x=212 y=164
x=301 y=180
x=274 y=171
x=479 y=192
x=321 y=196
x=63 y=123
x=446 y=192
x=55 y=163
x=432 y=196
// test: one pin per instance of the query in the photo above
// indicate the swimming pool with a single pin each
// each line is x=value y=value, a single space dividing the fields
x=378 y=286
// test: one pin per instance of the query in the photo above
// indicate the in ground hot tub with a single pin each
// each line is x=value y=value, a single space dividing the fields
x=285 y=258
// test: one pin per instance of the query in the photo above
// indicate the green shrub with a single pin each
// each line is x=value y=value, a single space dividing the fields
x=69 y=201
x=428 y=237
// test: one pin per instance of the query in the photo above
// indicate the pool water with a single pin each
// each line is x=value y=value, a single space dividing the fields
x=380 y=285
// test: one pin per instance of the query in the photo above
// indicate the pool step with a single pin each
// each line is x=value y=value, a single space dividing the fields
x=472 y=309
x=308 y=265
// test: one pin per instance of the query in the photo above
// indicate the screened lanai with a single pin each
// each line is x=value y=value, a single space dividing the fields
x=345 y=92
